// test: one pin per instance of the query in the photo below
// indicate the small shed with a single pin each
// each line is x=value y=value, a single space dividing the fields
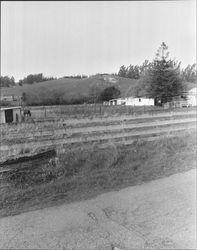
x=10 y=114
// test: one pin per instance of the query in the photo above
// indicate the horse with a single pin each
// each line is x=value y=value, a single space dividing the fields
x=27 y=112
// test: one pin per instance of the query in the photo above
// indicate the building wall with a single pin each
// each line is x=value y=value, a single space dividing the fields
x=121 y=101
x=139 y=101
x=2 y=116
x=130 y=101
x=15 y=113
x=191 y=99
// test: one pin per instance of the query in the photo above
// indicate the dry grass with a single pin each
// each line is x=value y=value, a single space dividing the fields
x=84 y=172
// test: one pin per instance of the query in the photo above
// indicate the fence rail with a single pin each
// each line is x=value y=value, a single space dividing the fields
x=71 y=111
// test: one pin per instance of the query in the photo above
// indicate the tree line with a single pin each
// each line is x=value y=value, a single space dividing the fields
x=35 y=78
x=7 y=81
x=188 y=74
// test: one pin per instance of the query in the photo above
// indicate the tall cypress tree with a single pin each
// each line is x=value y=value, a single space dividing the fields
x=163 y=77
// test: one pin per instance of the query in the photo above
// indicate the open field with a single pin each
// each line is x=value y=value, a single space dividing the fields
x=93 y=155
x=85 y=171
x=29 y=138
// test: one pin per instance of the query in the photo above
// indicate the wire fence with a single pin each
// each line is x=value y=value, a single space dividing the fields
x=97 y=110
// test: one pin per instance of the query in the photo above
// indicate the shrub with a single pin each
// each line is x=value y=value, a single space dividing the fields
x=109 y=93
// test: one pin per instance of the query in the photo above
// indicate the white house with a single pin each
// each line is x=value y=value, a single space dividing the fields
x=118 y=101
x=192 y=96
x=139 y=101
x=133 y=101
x=10 y=114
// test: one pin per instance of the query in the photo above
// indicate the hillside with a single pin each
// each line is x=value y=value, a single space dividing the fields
x=72 y=88
x=78 y=90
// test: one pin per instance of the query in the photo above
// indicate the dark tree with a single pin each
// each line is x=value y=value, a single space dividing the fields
x=163 y=78
x=189 y=73
x=34 y=78
x=122 y=71
x=133 y=72
x=6 y=81
x=144 y=67
x=20 y=83
x=109 y=93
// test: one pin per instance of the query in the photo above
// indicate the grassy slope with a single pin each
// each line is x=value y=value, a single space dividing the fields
x=73 y=87
x=85 y=172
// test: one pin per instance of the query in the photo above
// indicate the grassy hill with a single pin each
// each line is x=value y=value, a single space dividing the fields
x=65 y=91
x=71 y=89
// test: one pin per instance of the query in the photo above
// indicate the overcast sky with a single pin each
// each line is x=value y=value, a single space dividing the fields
x=64 y=38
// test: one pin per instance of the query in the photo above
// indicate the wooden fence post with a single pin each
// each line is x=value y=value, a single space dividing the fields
x=45 y=112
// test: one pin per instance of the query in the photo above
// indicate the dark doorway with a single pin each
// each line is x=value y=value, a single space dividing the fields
x=9 y=115
x=17 y=118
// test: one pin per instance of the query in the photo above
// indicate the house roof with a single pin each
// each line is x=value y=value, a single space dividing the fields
x=133 y=97
x=6 y=108
x=193 y=90
x=189 y=85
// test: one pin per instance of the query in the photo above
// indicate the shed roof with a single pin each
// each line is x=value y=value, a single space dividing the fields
x=6 y=108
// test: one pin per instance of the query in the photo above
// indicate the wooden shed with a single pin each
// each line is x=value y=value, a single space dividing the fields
x=10 y=114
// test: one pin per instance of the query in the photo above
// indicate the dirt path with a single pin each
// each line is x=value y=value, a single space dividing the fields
x=157 y=215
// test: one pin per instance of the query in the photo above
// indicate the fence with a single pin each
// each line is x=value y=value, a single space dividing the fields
x=95 y=110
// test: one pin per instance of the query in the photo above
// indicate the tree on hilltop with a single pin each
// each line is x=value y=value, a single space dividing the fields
x=133 y=72
x=6 y=81
x=189 y=73
x=122 y=71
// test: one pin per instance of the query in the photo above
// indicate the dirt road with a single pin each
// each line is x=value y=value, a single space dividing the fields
x=157 y=215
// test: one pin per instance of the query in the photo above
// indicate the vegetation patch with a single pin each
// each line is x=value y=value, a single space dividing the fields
x=85 y=171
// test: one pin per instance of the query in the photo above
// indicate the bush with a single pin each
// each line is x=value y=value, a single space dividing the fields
x=109 y=93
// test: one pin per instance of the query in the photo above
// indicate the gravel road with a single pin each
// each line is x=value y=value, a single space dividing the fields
x=158 y=215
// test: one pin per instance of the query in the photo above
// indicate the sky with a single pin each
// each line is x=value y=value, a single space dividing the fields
x=70 y=37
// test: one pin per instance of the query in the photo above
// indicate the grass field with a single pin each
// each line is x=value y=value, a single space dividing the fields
x=83 y=172
x=61 y=131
